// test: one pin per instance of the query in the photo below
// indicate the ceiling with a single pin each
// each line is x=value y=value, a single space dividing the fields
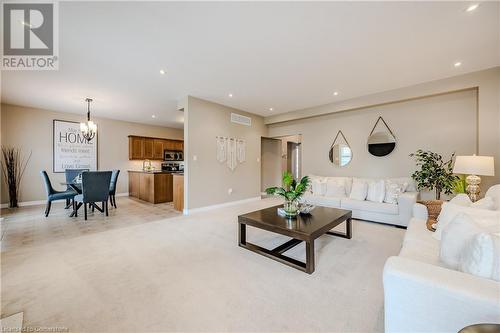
x=280 y=55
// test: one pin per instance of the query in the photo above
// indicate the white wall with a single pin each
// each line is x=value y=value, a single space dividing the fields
x=444 y=129
x=207 y=181
x=443 y=124
x=31 y=129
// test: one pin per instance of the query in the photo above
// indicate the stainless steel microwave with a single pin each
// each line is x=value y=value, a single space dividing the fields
x=173 y=155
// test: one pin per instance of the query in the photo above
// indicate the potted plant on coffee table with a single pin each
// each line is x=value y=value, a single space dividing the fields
x=291 y=192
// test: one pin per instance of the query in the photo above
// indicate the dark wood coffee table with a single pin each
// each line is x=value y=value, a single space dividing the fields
x=305 y=228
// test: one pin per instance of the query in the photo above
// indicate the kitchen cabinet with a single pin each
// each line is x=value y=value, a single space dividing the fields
x=154 y=187
x=178 y=192
x=158 y=149
x=148 y=148
x=135 y=145
x=141 y=147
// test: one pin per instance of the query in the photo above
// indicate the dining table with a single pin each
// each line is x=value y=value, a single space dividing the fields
x=77 y=187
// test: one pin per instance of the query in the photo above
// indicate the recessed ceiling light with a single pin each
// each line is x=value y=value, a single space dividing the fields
x=162 y=72
x=153 y=116
x=472 y=7
x=335 y=93
x=271 y=109
x=230 y=95
x=457 y=64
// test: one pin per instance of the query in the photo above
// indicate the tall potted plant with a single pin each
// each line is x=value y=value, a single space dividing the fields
x=13 y=167
x=291 y=192
x=434 y=173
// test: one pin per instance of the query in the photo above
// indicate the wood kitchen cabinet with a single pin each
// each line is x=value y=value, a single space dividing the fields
x=158 y=149
x=135 y=146
x=140 y=147
x=148 y=148
x=154 y=187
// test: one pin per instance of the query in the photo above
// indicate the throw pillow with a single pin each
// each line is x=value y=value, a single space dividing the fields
x=318 y=187
x=481 y=256
x=461 y=199
x=376 y=191
x=392 y=191
x=484 y=203
x=455 y=235
x=335 y=188
x=488 y=219
x=359 y=190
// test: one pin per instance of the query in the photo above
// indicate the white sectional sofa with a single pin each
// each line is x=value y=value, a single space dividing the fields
x=398 y=213
x=421 y=294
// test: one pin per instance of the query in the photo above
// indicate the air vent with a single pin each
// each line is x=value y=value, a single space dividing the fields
x=240 y=119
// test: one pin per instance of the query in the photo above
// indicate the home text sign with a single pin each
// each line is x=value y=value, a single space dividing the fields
x=71 y=150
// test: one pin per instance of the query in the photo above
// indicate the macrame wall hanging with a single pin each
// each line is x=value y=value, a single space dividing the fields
x=231 y=151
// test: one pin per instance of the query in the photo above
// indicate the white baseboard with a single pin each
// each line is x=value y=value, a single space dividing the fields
x=26 y=203
x=43 y=202
x=225 y=204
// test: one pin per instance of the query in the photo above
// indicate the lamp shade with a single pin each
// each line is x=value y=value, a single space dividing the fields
x=474 y=165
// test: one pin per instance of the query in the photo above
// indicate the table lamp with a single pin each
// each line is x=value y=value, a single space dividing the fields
x=474 y=166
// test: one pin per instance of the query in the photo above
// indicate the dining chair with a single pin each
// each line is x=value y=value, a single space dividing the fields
x=70 y=175
x=95 y=188
x=53 y=195
x=112 y=187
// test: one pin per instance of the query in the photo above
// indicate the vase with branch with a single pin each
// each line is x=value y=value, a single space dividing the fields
x=13 y=167
x=434 y=172
x=291 y=191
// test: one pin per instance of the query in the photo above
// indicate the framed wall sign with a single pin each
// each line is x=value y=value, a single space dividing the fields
x=70 y=149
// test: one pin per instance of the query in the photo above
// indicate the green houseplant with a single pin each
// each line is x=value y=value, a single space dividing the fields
x=291 y=191
x=435 y=173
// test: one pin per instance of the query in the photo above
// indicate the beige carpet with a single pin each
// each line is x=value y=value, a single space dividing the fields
x=188 y=274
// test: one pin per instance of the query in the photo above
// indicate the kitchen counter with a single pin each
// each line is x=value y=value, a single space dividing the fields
x=154 y=186
x=178 y=191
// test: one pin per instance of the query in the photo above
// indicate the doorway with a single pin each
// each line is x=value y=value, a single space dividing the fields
x=280 y=154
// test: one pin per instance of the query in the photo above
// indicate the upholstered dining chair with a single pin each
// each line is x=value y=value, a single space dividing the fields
x=95 y=188
x=112 y=187
x=70 y=175
x=53 y=195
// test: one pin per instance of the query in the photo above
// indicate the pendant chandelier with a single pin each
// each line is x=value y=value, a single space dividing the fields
x=88 y=129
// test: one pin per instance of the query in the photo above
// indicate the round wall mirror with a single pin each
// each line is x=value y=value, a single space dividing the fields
x=340 y=154
x=381 y=142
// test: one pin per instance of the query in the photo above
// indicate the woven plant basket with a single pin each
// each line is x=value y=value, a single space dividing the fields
x=433 y=210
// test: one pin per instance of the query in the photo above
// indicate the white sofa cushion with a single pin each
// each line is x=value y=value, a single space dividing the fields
x=407 y=183
x=419 y=245
x=392 y=191
x=321 y=200
x=318 y=187
x=370 y=206
x=461 y=199
x=335 y=187
x=487 y=219
x=484 y=203
x=359 y=189
x=481 y=256
x=494 y=192
x=454 y=238
x=376 y=191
